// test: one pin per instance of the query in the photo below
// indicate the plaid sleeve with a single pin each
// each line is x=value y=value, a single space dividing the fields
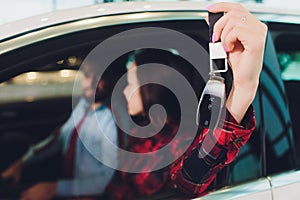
x=234 y=135
x=212 y=151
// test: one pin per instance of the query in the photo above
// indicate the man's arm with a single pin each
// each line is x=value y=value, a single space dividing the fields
x=43 y=149
x=35 y=153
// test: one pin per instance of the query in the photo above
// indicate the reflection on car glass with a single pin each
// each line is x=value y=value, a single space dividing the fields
x=32 y=86
x=290 y=65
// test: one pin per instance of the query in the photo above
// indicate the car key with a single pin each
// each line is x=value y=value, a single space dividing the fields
x=213 y=97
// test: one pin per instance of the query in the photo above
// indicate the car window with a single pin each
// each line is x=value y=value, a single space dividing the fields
x=37 y=87
x=289 y=63
x=286 y=38
x=32 y=104
x=271 y=147
x=50 y=82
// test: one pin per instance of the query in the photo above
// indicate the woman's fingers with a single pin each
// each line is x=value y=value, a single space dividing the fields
x=238 y=20
x=222 y=23
x=230 y=21
x=243 y=37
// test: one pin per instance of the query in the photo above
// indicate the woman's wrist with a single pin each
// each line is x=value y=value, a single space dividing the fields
x=240 y=98
x=248 y=89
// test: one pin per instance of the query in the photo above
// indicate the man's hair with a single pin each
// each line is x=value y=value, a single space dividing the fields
x=107 y=76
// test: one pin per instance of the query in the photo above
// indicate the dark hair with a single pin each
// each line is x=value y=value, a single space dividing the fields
x=158 y=94
x=109 y=77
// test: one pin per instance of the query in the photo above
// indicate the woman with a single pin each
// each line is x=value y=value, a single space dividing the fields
x=243 y=38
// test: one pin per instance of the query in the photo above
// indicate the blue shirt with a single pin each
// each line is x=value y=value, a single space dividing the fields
x=93 y=150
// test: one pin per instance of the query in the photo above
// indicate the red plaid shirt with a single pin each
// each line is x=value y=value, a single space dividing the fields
x=229 y=139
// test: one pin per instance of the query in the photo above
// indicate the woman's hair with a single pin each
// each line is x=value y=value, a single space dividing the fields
x=158 y=94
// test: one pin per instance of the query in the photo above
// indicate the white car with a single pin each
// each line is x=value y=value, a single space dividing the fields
x=40 y=57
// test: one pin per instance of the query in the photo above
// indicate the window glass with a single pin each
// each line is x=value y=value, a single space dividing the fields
x=286 y=37
x=271 y=148
x=38 y=97
x=38 y=85
x=32 y=105
x=290 y=65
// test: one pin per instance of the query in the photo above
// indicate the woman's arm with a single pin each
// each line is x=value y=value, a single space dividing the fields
x=243 y=37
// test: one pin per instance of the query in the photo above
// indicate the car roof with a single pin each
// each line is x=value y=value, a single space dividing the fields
x=31 y=24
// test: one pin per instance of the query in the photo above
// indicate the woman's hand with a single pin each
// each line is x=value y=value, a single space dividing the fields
x=13 y=172
x=243 y=37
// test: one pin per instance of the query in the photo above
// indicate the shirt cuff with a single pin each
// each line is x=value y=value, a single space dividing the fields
x=237 y=134
x=247 y=123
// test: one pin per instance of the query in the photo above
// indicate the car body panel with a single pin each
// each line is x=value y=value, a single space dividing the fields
x=286 y=185
x=107 y=9
x=49 y=25
x=258 y=189
x=281 y=186
x=66 y=28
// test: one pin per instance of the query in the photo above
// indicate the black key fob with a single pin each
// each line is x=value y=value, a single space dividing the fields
x=217 y=54
x=213 y=97
x=211 y=104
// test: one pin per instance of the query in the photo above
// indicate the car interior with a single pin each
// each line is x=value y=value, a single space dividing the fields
x=28 y=117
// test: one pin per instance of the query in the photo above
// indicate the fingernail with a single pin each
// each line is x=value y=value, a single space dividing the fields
x=225 y=49
x=213 y=38
x=210 y=7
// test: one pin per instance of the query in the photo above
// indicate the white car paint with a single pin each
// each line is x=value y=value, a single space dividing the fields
x=258 y=189
x=104 y=9
x=286 y=185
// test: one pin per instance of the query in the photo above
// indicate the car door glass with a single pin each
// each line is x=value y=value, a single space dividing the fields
x=34 y=102
x=37 y=85
x=271 y=148
x=288 y=54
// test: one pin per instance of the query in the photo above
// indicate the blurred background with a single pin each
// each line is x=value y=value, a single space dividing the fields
x=12 y=10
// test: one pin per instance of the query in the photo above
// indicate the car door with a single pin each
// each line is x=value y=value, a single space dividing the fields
x=286 y=38
x=258 y=189
x=286 y=185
